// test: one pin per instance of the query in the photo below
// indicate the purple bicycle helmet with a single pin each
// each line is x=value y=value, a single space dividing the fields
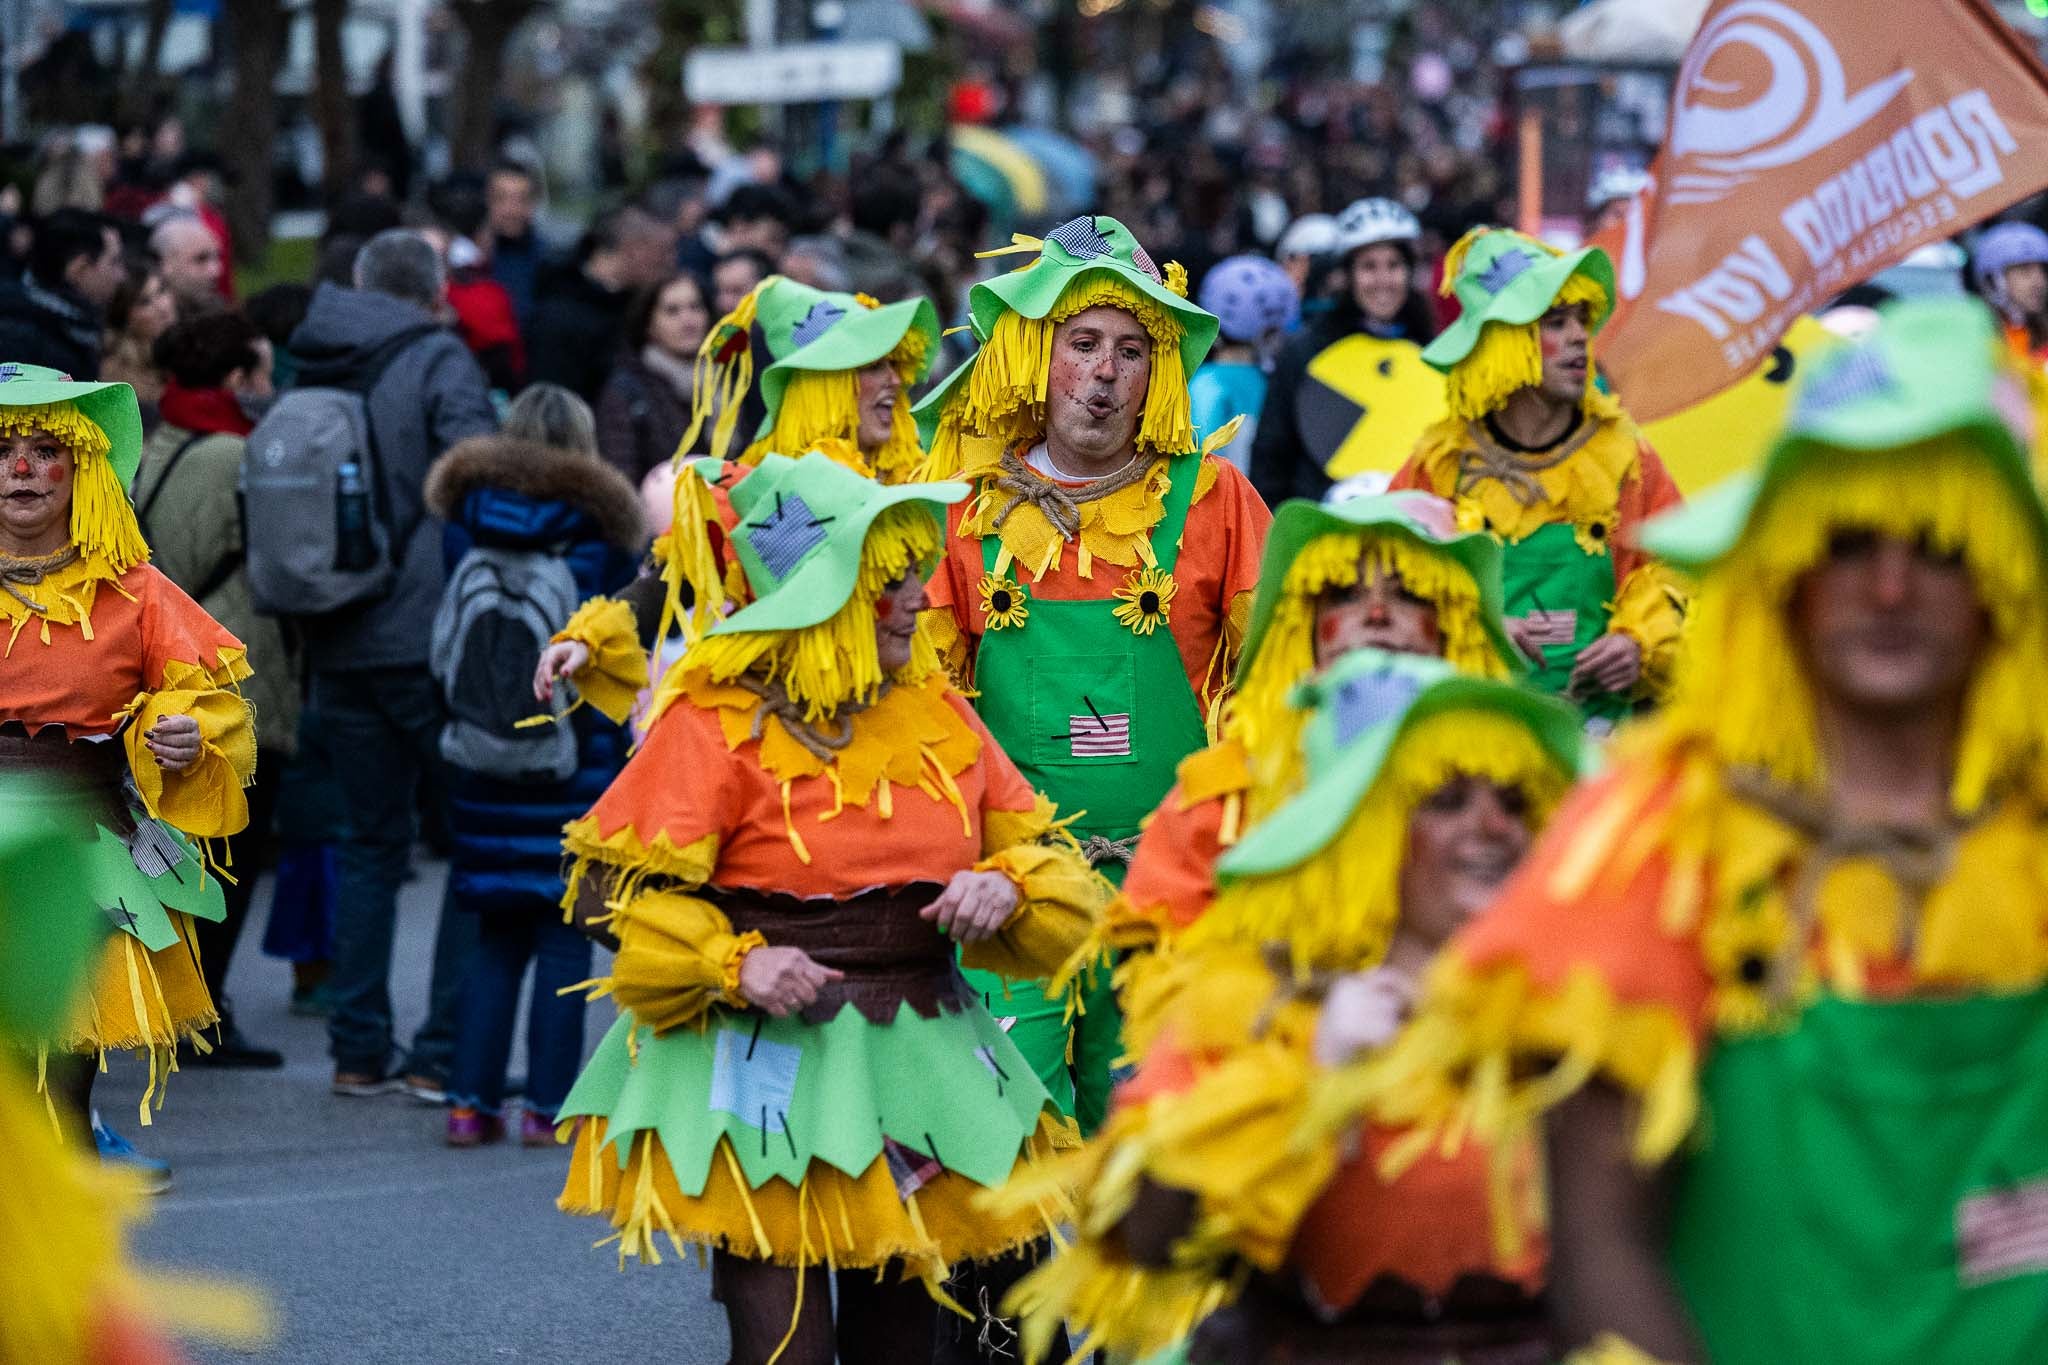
x=1250 y=296
x=1998 y=249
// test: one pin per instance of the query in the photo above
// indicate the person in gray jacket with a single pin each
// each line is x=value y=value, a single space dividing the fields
x=370 y=683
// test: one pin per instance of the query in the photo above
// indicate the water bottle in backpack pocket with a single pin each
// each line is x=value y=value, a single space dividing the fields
x=314 y=540
x=496 y=615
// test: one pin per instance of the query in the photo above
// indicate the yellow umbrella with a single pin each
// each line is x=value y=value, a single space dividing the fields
x=1026 y=177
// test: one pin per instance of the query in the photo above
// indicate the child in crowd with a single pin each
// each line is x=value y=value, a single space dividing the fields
x=1257 y=303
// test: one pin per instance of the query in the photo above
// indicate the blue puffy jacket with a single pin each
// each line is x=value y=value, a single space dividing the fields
x=495 y=490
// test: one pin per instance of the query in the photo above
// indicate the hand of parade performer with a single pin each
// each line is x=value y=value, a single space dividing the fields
x=559 y=660
x=1527 y=639
x=174 y=742
x=1611 y=663
x=1362 y=1011
x=782 y=980
x=973 y=906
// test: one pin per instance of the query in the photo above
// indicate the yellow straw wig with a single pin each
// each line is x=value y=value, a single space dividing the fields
x=823 y=667
x=1508 y=356
x=1259 y=716
x=1741 y=687
x=1338 y=909
x=103 y=525
x=1005 y=394
x=824 y=405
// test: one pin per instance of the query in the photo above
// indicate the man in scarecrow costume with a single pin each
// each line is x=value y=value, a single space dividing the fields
x=1534 y=453
x=1096 y=585
x=1776 y=978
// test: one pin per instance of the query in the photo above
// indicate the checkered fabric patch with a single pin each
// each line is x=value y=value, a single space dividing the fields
x=9 y=371
x=1506 y=267
x=1144 y=260
x=911 y=1169
x=788 y=534
x=824 y=315
x=1078 y=237
x=1857 y=375
x=1371 y=699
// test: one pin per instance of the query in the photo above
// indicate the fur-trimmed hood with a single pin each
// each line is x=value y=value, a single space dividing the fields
x=543 y=474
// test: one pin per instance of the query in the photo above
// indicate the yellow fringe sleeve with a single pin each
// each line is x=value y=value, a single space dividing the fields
x=1610 y=1349
x=206 y=800
x=678 y=956
x=951 y=644
x=1649 y=608
x=617 y=669
x=1059 y=900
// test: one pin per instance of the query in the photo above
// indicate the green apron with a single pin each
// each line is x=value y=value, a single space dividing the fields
x=1564 y=592
x=1872 y=1188
x=1098 y=718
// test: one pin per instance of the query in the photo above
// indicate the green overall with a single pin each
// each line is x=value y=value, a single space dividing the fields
x=1547 y=577
x=1098 y=718
x=1872 y=1188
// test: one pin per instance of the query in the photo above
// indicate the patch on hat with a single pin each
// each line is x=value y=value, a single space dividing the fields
x=1079 y=239
x=9 y=371
x=1506 y=268
x=1144 y=260
x=822 y=318
x=1856 y=375
x=1370 y=699
x=786 y=535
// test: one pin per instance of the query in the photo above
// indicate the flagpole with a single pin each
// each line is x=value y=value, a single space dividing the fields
x=1529 y=210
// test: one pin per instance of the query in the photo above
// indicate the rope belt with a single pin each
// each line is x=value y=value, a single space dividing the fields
x=1060 y=505
x=16 y=574
x=1916 y=857
x=1098 y=850
x=1515 y=470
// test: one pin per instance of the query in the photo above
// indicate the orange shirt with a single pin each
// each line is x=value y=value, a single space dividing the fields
x=1219 y=561
x=80 y=683
x=1173 y=871
x=686 y=782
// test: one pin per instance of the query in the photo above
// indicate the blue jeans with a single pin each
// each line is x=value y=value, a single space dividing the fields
x=506 y=941
x=384 y=727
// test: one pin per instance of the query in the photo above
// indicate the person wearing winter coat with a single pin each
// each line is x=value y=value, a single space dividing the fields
x=537 y=486
x=644 y=409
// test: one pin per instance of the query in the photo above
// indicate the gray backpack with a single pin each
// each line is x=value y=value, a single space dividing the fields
x=495 y=617
x=315 y=525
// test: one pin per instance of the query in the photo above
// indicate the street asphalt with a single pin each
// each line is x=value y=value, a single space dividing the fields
x=376 y=1242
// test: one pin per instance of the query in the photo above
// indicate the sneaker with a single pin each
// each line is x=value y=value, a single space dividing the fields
x=535 y=1130
x=155 y=1175
x=312 y=1002
x=363 y=1085
x=424 y=1088
x=469 y=1127
x=230 y=1049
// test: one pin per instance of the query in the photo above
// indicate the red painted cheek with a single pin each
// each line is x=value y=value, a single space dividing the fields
x=56 y=473
x=1328 y=629
x=885 y=608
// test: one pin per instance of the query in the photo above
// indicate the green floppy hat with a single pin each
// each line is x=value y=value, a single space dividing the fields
x=1510 y=277
x=1410 y=514
x=1071 y=250
x=809 y=329
x=111 y=406
x=1931 y=368
x=802 y=525
x=1363 y=705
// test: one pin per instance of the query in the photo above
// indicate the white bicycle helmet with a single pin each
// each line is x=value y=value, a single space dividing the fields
x=1312 y=234
x=1374 y=220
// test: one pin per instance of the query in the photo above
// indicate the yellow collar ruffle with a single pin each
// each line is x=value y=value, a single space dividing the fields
x=1584 y=489
x=65 y=596
x=912 y=736
x=1116 y=529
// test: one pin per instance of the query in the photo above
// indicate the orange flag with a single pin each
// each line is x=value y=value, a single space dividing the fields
x=1811 y=145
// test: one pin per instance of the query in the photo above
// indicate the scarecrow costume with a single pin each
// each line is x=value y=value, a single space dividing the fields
x=1566 y=515
x=790 y=795
x=1220 y=791
x=100 y=648
x=1332 y=1263
x=1097 y=623
x=71 y=1295
x=817 y=342
x=1831 y=1032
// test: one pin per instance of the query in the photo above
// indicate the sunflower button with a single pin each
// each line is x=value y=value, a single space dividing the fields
x=1004 y=603
x=1146 y=600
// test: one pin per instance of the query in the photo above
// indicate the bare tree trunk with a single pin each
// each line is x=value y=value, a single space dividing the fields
x=487 y=26
x=144 y=85
x=255 y=33
x=333 y=111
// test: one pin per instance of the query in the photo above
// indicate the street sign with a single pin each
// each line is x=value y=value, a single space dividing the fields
x=793 y=73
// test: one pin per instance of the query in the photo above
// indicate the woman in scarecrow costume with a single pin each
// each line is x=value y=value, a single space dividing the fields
x=117 y=684
x=72 y=1297
x=841 y=367
x=1534 y=453
x=1424 y=786
x=800 y=1080
x=1389 y=572
x=1097 y=585
x=1776 y=977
